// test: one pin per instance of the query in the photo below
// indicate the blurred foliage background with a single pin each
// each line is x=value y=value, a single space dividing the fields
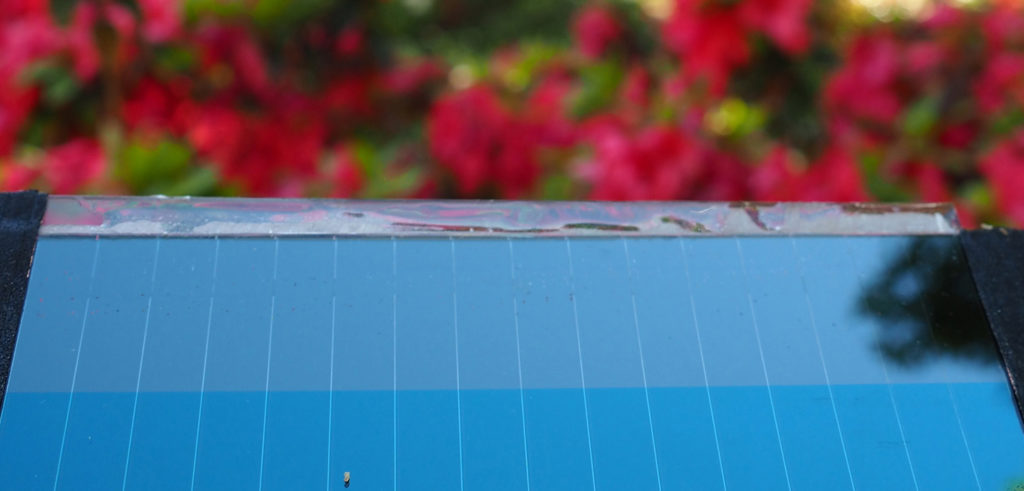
x=836 y=100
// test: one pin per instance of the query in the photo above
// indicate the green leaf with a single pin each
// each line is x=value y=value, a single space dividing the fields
x=59 y=85
x=557 y=187
x=153 y=167
x=919 y=120
x=200 y=181
x=979 y=194
x=174 y=59
x=1008 y=121
x=880 y=188
x=600 y=84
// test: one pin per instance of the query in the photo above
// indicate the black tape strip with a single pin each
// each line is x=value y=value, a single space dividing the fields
x=996 y=258
x=20 y=216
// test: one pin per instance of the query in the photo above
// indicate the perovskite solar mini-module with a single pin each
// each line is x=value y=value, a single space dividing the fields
x=292 y=344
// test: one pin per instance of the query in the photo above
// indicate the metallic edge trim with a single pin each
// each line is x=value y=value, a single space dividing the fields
x=253 y=217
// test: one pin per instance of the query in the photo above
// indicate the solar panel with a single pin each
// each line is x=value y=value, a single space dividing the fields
x=463 y=357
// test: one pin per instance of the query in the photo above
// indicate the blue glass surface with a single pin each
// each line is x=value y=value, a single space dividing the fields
x=582 y=363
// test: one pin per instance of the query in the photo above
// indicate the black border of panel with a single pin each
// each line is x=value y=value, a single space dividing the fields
x=996 y=259
x=20 y=216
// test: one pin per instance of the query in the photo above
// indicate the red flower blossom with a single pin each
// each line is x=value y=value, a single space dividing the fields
x=1001 y=82
x=784 y=21
x=931 y=183
x=15 y=176
x=1003 y=166
x=69 y=167
x=16 y=103
x=481 y=143
x=865 y=88
x=546 y=110
x=636 y=89
x=958 y=136
x=264 y=152
x=594 y=29
x=655 y=163
x=156 y=105
x=161 y=20
x=712 y=38
x=711 y=42
x=234 y=48
x=833 y=177
x=408 y=78
x=349 y=42
x=348 y=175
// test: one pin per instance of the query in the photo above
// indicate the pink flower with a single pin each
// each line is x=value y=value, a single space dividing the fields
x=71 y=166
x=594 y=29
x=711 y=42
x=784 y=21
x=16 y=177
x=866 y=87
x=1001 y=81
x=546 y=110
x=833 y=177
x=712 y=38
x=654 y=163
x=481 y=143
x=161 y=20
x=81 y=43
x=348 y=175
x=237 y=49
x=407 y=78
x=350 y=41
x=1003 y=167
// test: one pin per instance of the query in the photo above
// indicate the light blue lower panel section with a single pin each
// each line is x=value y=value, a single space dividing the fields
x=493 y=440
x=30 y=436
x=811 y=438
x=363 y=439
x=96 y=443
x=622 y=438
x=941 y=446
x=935 y=437
x=164 y=441
x=984 y=411
x=873 y=431
x=751 y=453
x=428 y=440
x=230 y=441
x=295 y=453
x=556 y=435
x=687 y=449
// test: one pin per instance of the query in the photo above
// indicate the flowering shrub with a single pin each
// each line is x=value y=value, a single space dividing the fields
x=611 y=100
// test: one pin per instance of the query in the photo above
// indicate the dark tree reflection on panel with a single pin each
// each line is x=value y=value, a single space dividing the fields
x=927 y=305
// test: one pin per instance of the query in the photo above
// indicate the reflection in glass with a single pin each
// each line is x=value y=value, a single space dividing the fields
x=926 y=305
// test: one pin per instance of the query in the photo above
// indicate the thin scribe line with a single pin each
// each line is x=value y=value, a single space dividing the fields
x=643 y=361
x=967 y=446
x=458 y=384
x=952 y=400
x=764 y=366
x=703 y=366
x=519 y=361
x=78 y=357
x=266 y=387
x=394 y=355
x=821 y=358
x=579 y=351
x=206 y=352
x=888 y=381
x=330 y=388
x=142 y=357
